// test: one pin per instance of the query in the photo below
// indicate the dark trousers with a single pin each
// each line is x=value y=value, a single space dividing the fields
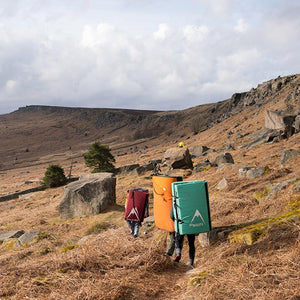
x=170 y=243
x=179 y=244
x=134 y=227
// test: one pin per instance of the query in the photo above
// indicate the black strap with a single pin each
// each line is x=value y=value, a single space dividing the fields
x=176 y=212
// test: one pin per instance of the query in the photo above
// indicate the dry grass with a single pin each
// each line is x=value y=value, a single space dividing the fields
x=111 y=265
x=269 y=269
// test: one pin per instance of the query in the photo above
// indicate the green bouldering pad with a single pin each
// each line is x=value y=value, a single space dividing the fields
x=191 y=207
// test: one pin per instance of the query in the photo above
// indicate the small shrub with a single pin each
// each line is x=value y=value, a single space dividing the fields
x=54 y=176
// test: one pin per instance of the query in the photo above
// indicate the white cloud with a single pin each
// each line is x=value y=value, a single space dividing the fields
x=163 y=32
x=241 y=26
x=10 y=86
x=53 y=55
x=194 y=33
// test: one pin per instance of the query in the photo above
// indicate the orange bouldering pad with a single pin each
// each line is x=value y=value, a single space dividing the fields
x=162 y=192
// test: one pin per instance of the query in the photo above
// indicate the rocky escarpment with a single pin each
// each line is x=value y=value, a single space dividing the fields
x=264 y=91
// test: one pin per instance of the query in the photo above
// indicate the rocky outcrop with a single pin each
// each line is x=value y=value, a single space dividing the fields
x=178 y=158
x=90 y=195
x=238 y=101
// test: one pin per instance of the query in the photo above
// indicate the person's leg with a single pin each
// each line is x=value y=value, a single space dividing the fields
x=178 y=246
x=130 y=225
x=191 y=239
x=170 y=243
x=136 y=228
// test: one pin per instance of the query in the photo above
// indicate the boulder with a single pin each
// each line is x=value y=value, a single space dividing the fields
x=278 y=120
x=126 y=169
x=223 y=158
x=142 y=169
x=178 y=158
x=27 y=238
x=243 y=171
x=10 y=235
x=199 y=150
x=256 y=172
x=90 y=195
x=287 y=155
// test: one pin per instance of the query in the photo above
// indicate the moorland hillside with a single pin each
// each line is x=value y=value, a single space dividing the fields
x=256 y=252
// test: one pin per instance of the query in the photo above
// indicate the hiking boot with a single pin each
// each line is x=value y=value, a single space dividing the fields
x=191 y=263
x=177 y=258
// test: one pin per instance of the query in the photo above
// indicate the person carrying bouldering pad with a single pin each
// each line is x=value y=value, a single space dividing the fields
x=136 y=208
x=179 y=244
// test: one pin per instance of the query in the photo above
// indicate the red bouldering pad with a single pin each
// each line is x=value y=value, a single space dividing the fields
x=136 y=205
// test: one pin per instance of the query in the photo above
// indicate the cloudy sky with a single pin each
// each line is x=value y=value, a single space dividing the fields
x=142 y=54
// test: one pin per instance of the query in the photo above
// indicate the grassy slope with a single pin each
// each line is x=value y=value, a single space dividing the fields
x=111 y=265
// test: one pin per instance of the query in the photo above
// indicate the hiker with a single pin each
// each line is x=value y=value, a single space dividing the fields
x=181 y=144
x=135 y=215
x=133 y=225
x=179 y=244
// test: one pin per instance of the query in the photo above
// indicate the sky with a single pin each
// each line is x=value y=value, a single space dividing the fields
x=142 y=54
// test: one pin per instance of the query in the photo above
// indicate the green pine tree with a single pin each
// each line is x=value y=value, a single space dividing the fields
x=54 y=176
x=100 y=158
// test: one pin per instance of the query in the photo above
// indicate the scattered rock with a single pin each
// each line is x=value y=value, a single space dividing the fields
x=257 y=172
x=10 y=235
x=275 y=188
x=229 y=147
x=243 y=171
x=287 y=155
x=126 y=169
x=205 y=166
x=90 y=195
x=27 y=238
x=142 y=169
x=199 y=151
x=223 y=158
x=222 y=184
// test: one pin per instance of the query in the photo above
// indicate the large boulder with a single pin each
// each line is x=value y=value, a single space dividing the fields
x=90 y=195
x=178 y=158
x=280 y=120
